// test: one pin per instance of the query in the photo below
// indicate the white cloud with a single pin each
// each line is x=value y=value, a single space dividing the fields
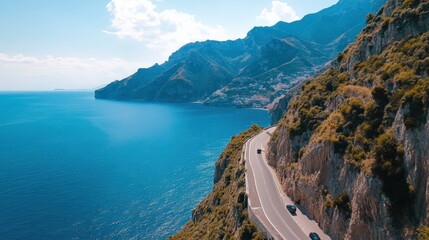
x=280 y=11
x=19 y=72
x=17 y=59
x=166 y=30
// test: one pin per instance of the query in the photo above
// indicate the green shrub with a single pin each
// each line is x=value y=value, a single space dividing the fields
x=310 y=105
x=353 y=112
x=340 y=146
x=357 y=153
x=388 y=155
x=417 y=101
x=406 y=78
x=369 y=17
x=386 y=22
x=409 y=3
x=373 y=119
x=246 y=231
x=379 y=93
x=328 y=204
x=342 y=202
x=308 y=120
x=423 y=233
x=389 y=167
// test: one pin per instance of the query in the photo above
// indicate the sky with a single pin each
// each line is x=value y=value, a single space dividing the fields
x=85 y=44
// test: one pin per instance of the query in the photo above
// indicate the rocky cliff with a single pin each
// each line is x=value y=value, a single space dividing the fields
x=249 y=72
x=223 y=213
x=279 y=106
x=352 y=148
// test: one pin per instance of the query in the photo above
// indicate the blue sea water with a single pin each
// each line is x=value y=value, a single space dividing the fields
x=72 y=167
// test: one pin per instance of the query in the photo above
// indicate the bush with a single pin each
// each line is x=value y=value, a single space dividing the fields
x=310 y=104
x=423 y=233
x=353 y=112
x=409 y=3
x=417 y=101
x=342 y=202
x=389 y=167
x=405 y=78
x=373 y=119
x=379 y=93
x=388 y=155
x=386 y=22
x=328 y=203
x=308 y=120
x=357 y=153
x=369 y=17
x=246 y=231
x=340 y=146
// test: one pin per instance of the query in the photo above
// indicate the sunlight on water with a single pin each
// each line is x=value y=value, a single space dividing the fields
x=75 y=167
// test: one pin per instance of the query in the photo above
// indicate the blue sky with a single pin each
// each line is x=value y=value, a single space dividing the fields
x=49 y=44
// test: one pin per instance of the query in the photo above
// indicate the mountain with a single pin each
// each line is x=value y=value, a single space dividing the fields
x=249 y=72
x=353 y=146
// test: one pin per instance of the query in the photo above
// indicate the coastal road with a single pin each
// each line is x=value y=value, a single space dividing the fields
x=267 y=201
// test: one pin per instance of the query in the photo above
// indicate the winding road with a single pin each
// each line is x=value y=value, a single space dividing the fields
x=267 y=202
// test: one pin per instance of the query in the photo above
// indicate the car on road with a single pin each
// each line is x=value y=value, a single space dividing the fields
x=291 y=209
x=258 y=151
x=314 y=236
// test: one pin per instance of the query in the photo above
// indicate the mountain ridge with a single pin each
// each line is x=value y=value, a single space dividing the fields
x=352 y=148
x=229 y=65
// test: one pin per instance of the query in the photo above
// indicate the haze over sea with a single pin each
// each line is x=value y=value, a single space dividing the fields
x=72 y=167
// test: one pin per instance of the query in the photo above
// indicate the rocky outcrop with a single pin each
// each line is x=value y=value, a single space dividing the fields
x=223 y=213
x=416 y=158
x=387 y=27
x=353 y=146
x=279 y=106
x=382 y=29
x=319 y=177
x=249 y=72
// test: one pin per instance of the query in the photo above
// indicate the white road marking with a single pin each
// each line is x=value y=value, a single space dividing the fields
x=272 y=197
x=262 y=204
x=257 y=192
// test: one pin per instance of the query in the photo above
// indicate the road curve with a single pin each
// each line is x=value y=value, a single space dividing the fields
x=266 y=199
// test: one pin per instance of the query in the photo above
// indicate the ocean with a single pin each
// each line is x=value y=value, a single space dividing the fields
x=73 y=167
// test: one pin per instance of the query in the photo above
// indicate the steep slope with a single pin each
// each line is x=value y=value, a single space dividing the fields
x=343 y=15
x=353 y=147
x=223 y=213
x=282 y=64
x=192 y=73
x=280 y=105
x=251 y=71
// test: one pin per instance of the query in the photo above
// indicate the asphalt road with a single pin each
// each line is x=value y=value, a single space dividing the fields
x=266 y=198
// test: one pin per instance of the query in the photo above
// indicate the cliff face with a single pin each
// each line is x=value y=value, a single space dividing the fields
x=373 y=40
x=416 y=159
x=223 y=213
x=352 y=148
x=279 y=106
x=249 y=72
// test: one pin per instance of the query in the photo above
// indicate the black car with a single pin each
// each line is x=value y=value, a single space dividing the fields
x=291 y=209
x=314 y=236
x=258 y=151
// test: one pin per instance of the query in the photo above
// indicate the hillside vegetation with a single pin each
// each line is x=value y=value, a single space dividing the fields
x=355 y=140
x=223 y=213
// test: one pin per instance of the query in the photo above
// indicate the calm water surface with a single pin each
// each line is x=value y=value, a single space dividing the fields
x=72 y=167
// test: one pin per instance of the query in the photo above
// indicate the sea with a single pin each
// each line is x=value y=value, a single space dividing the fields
x=74 y=167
